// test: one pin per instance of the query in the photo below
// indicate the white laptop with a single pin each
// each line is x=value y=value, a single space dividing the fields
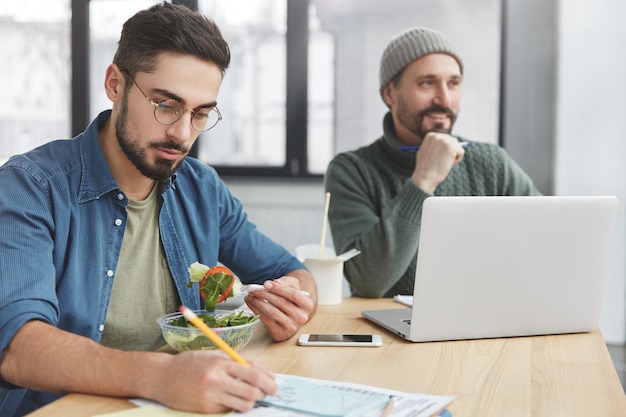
x=507 y=266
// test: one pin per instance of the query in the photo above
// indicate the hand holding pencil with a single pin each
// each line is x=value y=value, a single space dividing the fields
x=230 y=386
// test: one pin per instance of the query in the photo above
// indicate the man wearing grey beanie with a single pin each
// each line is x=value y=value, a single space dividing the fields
x=378 y=190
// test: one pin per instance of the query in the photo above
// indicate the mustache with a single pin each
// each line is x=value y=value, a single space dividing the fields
x=437 y=109
x=170 y=145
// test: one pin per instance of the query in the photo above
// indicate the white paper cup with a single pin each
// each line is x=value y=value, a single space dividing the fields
x=327 y=272
x=328 y=275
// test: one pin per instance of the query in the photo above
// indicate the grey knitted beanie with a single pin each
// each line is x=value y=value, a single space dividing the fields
x=410 y=45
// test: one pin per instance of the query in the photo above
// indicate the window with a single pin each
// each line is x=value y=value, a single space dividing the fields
x=275 y=122
x=35 y=41
x=252 y=96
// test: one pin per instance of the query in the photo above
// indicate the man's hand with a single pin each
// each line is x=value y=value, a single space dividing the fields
x=282 y=306
x=438 y=153
x=211 y=382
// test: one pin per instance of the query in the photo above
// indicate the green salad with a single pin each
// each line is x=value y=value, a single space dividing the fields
x=236 y=318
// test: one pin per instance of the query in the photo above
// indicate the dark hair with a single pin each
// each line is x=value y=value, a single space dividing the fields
x=167 y=27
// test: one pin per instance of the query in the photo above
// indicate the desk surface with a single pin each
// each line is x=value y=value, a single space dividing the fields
x=551 y=376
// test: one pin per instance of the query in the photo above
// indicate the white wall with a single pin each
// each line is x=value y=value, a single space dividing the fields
x=590 y=139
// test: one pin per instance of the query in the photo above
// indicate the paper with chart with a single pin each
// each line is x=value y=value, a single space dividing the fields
x=406 y=404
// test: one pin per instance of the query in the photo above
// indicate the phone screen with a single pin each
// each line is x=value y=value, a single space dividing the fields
x=359 y=338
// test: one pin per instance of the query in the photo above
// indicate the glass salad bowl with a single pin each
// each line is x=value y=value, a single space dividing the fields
x=234 y=327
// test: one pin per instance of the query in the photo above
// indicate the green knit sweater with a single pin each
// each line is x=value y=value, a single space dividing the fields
x=375 y=207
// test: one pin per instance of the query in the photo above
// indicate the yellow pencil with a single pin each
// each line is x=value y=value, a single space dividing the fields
x=213 y=337
x=387 y=411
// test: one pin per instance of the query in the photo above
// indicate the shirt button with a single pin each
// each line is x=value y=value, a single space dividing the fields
x=110 y=273
x=118 y=222
x=101 y=327
x=120 y=196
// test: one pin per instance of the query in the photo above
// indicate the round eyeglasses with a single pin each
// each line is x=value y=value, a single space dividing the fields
x=169 y=111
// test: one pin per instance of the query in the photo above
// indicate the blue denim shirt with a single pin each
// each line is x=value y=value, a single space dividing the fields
x=62 y=220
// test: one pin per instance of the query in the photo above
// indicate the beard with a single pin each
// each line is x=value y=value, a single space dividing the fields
x=161 y=169
x=414 y=122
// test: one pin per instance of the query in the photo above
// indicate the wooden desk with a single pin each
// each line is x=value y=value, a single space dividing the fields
x=542 y=376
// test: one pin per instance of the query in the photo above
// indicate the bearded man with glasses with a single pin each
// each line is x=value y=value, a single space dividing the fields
x=99 y=232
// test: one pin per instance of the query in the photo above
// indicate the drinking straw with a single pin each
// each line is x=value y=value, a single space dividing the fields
x=324 y=225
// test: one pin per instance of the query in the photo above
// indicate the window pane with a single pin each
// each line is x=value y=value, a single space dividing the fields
x=252 y=95
x=321 y=106
x=36 y=42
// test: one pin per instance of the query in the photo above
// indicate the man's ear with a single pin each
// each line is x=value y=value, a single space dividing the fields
x=114 y=83
x=387 y=95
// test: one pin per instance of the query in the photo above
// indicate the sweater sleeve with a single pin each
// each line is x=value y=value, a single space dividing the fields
x=385 y=228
